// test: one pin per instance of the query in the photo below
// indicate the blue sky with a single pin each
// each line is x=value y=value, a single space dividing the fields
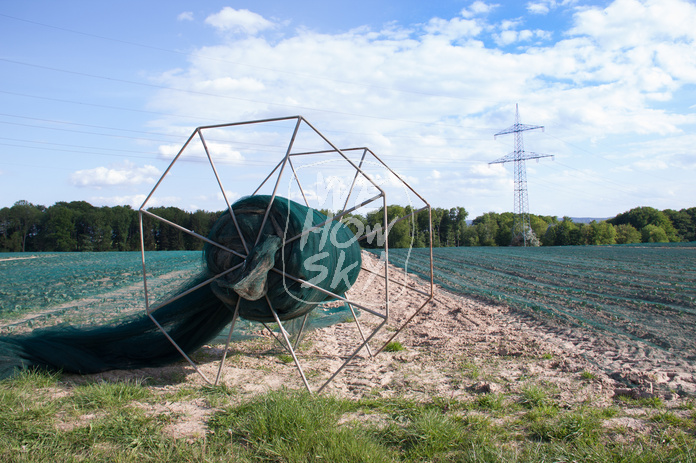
x=97 y=97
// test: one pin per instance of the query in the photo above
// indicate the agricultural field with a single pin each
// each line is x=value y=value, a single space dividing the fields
x=95 y=288
x=468 y=380
x=644 y=294
x=45 y=288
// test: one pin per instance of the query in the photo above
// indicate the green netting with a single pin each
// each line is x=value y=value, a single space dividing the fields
x=327 y=257
x=32 y=283
x=644 y=295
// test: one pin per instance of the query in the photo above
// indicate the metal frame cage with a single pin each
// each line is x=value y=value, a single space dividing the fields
x=315 y=172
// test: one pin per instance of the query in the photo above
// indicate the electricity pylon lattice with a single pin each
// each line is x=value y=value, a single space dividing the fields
x=521 y=229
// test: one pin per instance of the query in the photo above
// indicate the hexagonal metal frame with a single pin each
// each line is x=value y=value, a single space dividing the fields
x=280 y=168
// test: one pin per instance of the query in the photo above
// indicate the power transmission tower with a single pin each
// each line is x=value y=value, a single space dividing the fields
x=522 y=231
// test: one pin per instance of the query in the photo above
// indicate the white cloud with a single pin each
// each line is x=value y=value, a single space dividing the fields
x=507 y=37
x=637 y=23
x=238 y=21
x=220 y=152
x=488 y=170
x=538 y=7
x=185 y=16
x=115 y=175
x=229 y=84
x=478 y=8
x=651 y=165
x=224 y=153
x=430 y=97
x=684 y=160
x=455 y=28
x=364 y=72
x=509 y=34
x=545 y=6
x=134 y=201
x=232 y=196
x=169 y=151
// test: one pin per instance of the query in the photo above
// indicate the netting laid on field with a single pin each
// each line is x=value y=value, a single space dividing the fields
x=645 y=295
x=307 y=269
x=44 y=289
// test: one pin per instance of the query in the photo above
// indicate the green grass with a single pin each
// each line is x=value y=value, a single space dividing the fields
x=394 y=346
x=490 y=402
x=295 y=427
x=570 y=426
x=648 y=402
x=45 y=420
x=107 y=396
x=471 y=370
x=534 y=396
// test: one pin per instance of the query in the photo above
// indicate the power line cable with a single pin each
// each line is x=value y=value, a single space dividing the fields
x=215 y=95
x=651 y=174
x=119 y=108
x=84 y=132
x=263 y=68
x=54 y=121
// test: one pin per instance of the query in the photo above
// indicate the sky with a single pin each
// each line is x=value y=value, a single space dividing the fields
x=97 y=98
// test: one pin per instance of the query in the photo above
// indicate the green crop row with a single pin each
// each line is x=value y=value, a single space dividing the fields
x=645 y=294
x=32 y=282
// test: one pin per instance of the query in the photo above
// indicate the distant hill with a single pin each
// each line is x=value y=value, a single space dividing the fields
x=587 y=219
x=574 y=219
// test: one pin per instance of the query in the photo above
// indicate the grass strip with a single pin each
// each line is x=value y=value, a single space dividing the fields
x=45 y=420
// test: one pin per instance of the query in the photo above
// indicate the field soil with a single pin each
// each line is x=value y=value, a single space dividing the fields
x=454 y=348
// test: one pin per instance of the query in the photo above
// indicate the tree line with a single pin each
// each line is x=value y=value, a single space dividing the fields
x=78 y=226
x=638 y=225
x=450 y=228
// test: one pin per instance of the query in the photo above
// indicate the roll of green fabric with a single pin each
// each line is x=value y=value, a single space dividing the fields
x=327 y=258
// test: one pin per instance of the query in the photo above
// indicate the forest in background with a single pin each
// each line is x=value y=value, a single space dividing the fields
x=78 y=226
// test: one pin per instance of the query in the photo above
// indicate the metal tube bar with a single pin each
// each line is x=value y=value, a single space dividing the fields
x=289 y=345
x=258 y=121
x=355 y=178
x=224 y=194
x=336 y=296
x=430 y=233
x=302 y=327
x=397 y=282
x=369 y=179
x=142 y=257
x=198 y=286
x=274 y=335
x=396 y=333
x=227 y=344
x=351 y=357
x=176 y=346
x=297 y=179
x=386 y=259
x=280 y=175
x=267 y=177
x=397 y=176
x=168 y=168
x=335 y=217
x=193 y=233
x=360 y=330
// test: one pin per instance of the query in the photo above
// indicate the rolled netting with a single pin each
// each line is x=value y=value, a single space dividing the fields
x=297 y=259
